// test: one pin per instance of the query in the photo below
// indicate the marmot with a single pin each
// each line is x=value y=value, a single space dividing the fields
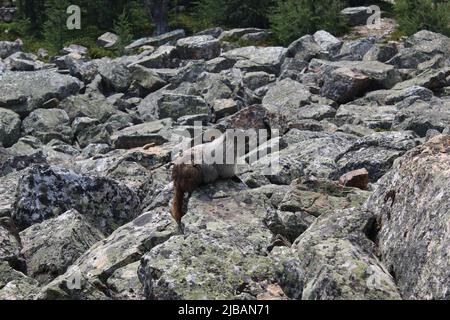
x=188 y=174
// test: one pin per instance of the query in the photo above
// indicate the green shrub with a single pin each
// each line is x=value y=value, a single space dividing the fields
x=96 y=52
x=232 y=13
x=16 y=29
x=292 y=19
x=416 y=15
x=122 y=28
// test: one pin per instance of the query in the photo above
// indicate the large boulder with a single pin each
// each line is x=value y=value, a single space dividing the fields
x=93 y=106
x=268 y=59
x=51 y=247
x=7 y=48
x=370 y=116
x=164 y=57
x=304 y=49
x=421 y=47
x=335 y=259
x=422 y=116
x=344 y=85
x=141 y=135
x=307 y=199
x=411 y=203
x=116 y=76
x=169 y=37
x=167 y=104
x=10 y=244
x=24 y=92
x=357 y=16
x=376 y=153
x=96 y=272
x=15 y=285
x=223 y=224
x=46 y=192
x=48 y=124
x=307 y=154
x=198 y=47
x=9 y=127
x=283 y=102
x=431 y=79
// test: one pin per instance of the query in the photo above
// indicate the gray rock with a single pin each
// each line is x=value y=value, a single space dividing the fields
x=93 y=106
x=218 y=64
x=24 y=92
x=355 y=50
x=283 y=101
x=421 y=47
x=255 y=80
x=224 y=223
x=20 y=61
x=145 y=81
x=9 y=127
x=7 y=48
x=344 y=85
x=50 y=247
x=357 y=16
x=305 y=201
x=103 y=261
x=381 y=75
x=177 y=105
x=421 y=116
x=327 y=41
x=381 y=52
x=304 y=49
x=116 y=76
x=48 y=124
x=215 y=32
x=370 y=116
x=316 y=112
x=125 y=284
x=8 y=274
x=8 y=186
x=421 y=93
x=411 y=203
x=307 y=154
x=257 y=37
x=161 y=40
x=223 y=108
x=335 y=259
x=10 y=244
x=108 y=40
x=376 y=153
x=21 y=289
x=87 y=130
x=163 y=57
x=198 y=47
x=46 y=192
x=75 y=48
x=237 y=33
x=267 y=59
x=431 y=79
x=141 y=135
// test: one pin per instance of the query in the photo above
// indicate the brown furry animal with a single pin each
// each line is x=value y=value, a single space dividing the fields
x=188 y=176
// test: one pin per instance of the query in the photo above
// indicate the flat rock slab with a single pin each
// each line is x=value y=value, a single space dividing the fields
x=23 y=92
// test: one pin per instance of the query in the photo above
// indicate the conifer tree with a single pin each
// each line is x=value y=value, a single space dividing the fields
x=55 y=27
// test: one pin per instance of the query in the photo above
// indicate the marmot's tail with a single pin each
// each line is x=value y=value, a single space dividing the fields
x=177 y=205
